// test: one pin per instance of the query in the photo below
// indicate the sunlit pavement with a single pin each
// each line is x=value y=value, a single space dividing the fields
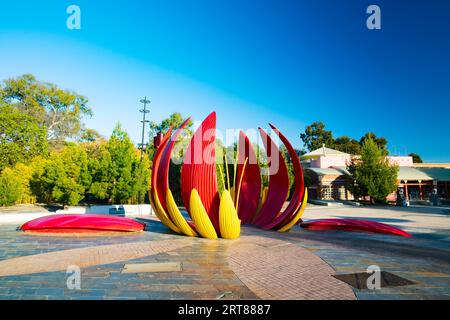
x=260 y=265
x=252 y=267
x=423 y=259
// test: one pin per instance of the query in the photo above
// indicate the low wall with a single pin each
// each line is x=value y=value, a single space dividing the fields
x=129 y=210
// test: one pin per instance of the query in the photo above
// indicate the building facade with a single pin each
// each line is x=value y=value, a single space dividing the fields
x=327 y=175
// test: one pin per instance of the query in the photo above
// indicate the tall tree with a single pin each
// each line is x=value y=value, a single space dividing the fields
x=64 y=177
x=21 y=137
x=380 y=141
x=372 y=174
x=128 y=176
x=347 y=145
x=175 y=120
x=60 y=111
x=123 y=155
x=99 y=166
x=416 y=158
x=10 y=188
x=315 y=136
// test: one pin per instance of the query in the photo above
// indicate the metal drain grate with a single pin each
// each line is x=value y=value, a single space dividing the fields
x=152 y=267
x=359 y=280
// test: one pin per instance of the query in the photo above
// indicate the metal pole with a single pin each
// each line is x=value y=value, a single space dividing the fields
x=144 y=121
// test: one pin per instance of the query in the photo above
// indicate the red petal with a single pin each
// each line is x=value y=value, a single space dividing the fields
x=278 y=183
x=156 y=168
x=250 y=189
x=199 y=170
x=299 y=189
x=162 y=182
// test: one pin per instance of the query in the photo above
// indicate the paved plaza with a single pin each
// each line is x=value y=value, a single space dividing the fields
x=261 y=264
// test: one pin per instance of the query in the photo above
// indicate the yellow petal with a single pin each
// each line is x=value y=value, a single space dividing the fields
x=297 y=216
x=230 y=225
x=200 y=217
x=162 y=215
x=177 y=217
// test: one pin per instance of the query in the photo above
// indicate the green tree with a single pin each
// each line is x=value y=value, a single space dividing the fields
x=416 y=158
x=89 y=135
x=175 y=120
x=65 y=176
x=60 y=111
x=129 y=176
x=24 y=173
x=347 y=145
x=380 y=141
x=141 y=179
x=99 y=166
x=123 y=155
x=315 y=136
x=10 y=188
x=21 y=137
x=372 y=174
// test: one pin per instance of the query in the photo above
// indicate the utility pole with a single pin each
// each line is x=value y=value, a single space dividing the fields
x=144 y=121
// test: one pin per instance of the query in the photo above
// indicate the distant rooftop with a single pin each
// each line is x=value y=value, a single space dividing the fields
x=323 y=151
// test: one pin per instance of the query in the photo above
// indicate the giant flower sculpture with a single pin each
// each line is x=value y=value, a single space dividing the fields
x=216 y=215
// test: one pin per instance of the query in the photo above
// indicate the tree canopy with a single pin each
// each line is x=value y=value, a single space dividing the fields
x=416 y=158
x=372 y=174
x=21 y=137
x=380 y=141
x=175 y=120
x=59 y=111
x=315 y=136
x=347 y=145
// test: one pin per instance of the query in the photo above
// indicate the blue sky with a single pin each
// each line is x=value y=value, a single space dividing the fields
x=254 y=62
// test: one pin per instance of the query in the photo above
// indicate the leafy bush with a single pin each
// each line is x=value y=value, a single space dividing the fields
x=64 y=177
x=10 y=188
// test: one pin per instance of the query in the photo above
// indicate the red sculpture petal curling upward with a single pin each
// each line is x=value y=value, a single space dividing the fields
x=299 y=188
x=156 y=168
x=278 y=183
x=250 y=189
x=82 y=223
x=162 y=182
x=199 y=170
x=354 y=225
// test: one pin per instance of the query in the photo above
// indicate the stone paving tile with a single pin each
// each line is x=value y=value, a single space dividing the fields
x=419 y=259
x=259 y=265
x=287 y=272
x=205 y=275
x=84 y=257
